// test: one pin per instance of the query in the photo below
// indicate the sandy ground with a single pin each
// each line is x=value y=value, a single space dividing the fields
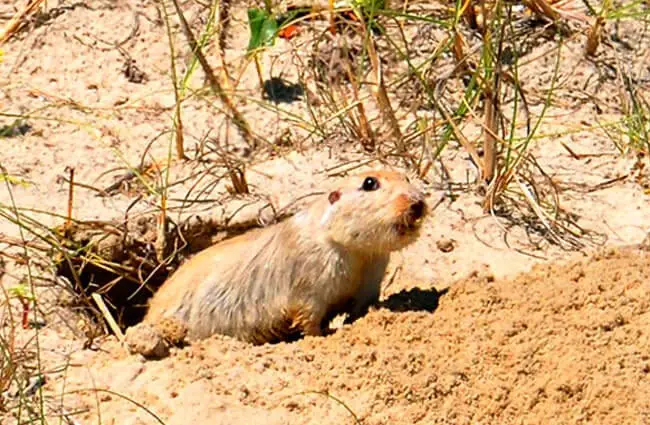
x=561 y=344
x=461 y=336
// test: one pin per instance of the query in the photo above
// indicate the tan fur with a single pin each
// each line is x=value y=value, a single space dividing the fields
x=292 y=278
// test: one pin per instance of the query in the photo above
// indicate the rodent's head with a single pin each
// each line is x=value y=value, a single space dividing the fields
x=376 y=211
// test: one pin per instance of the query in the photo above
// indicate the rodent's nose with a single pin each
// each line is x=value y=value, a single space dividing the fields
x=417 y=210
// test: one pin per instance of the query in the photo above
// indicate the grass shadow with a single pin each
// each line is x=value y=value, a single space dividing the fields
x=415 y=299
x=279 y=90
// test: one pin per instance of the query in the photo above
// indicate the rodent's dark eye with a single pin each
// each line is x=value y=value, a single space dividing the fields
x=370 y=184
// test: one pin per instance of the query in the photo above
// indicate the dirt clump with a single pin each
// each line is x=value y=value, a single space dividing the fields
x=154 y=340
x=144 y=339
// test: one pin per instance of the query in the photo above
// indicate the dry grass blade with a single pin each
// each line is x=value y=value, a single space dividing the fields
x=68 y=220
x=14 y=24
x=458 y=50
x=542 y=8
x=469 y=13
x=365 y=131
x=547 y=10
x=178 y=122
x=378 y=89
x=357 y=421
x=491 y=94
x=595 y=34
x=123 y=397
x=237 y=117
x=259 y=72
x=237 y=174
x=178 y=125
x=367 y=135
x=108 y=316
x=465 y=143
x=489 y=140
x=161 y=230
x=7 y=344
x=596 y=30
x=238 y=180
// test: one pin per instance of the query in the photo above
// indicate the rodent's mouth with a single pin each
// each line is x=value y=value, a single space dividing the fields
x=404 y=229
x=408 y=227
x=412 y=220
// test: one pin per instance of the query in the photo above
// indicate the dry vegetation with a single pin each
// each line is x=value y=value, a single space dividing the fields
x=467 y=96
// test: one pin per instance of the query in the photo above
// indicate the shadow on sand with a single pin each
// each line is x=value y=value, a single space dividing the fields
x=281 y=91
x=415 y=299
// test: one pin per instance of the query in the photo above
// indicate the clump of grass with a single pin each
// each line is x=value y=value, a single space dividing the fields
x=30 y=397
x=631 y=132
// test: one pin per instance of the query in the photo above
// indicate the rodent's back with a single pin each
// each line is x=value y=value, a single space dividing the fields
x=218 y=281
x=253 y=286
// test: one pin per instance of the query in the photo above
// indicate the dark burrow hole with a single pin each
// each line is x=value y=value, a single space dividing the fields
x=125 y=286
x=120 y=263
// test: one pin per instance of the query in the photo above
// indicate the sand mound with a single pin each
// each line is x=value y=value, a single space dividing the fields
x=561 y=344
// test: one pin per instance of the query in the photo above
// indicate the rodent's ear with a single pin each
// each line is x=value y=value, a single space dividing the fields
x=334 y=196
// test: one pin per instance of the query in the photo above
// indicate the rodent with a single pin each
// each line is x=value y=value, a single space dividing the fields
x=290 y=279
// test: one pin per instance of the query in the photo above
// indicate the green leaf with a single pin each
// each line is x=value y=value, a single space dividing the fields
x=17 y=128
x=13 y=180
x=22 y=292
x=263 y=27
x=369 y=4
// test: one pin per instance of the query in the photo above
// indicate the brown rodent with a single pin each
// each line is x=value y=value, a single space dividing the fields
x=276 y=283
